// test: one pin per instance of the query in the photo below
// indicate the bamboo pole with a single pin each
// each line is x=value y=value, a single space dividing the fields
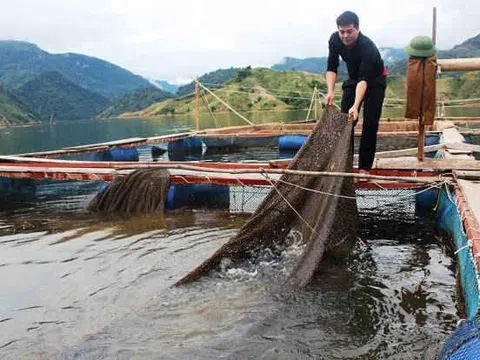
x=298 y=172
x=470 y=64
x=197 y=104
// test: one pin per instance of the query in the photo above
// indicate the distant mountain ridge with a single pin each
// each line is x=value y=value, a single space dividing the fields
x=52 y=96
x=135 y=101
x=21 y=61
x=13 y=111
x=394 y=58
x=468 y=48
x=213 y=78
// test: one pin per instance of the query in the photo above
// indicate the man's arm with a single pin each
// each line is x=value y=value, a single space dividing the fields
x=331 y=80
x=332 y=66
x=360 y=91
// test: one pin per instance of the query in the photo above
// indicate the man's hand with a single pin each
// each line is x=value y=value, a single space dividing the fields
x=353 y=113
x=329 y=99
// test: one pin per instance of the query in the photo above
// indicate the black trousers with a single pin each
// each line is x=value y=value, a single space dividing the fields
x=372 y=110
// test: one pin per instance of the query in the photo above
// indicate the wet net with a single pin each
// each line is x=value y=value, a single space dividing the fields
x=142 y=191
x=322 y=209
x=464 y=342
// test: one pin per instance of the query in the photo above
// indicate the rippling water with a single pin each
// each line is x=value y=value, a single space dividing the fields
x=79 y=286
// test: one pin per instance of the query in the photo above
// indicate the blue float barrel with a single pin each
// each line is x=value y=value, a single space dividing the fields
x=188 y=145
x=209 y=196
x=291 y=143
x=432 y=139
x=17 y=188
x=115 y=154
x=179 y=196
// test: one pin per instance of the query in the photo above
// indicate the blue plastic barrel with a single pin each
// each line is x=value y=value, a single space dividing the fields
x=17 y=188
x=115 y=154
x=432 y=139
x=188 y=145
x=179 y=196
x=291 y=143
x=201 y=196
x=211 y=196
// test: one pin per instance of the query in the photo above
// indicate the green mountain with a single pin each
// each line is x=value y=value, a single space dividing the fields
x=395 y=59
x=467 y=49
x=13 y=111
x=21 y=62
x=318 y=65
x=135 y=101
x=51 y=95
x=249 y=90
x=214 y=78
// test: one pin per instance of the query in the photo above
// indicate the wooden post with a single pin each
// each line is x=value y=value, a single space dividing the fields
x=434 y=26
x=421 y=126
x=197 y=104
x=315 y=102
x=421 y=141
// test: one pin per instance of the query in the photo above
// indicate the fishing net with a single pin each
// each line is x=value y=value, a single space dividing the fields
x=464 y=342
x=322 y=209
x=142 y=191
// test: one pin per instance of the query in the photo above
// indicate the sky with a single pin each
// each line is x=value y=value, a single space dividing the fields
x=180 y=39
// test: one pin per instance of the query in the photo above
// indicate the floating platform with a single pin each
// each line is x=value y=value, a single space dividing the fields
x=458 y=201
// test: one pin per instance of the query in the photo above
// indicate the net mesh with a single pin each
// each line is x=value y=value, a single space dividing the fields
x=325 y=222
x=142 y=191
x=463 y=343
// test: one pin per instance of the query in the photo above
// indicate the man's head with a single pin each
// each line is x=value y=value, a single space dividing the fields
x=348 y=28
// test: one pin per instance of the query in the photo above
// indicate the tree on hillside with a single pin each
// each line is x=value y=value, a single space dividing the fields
x=243 y=73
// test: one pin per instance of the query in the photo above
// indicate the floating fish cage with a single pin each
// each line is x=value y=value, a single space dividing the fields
x=237 y=194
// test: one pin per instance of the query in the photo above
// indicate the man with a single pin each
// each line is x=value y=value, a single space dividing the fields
x=366 y=83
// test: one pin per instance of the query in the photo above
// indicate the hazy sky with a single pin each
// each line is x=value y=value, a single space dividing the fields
x=179 y=39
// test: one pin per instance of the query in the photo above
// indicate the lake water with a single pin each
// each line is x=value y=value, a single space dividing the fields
x=76 y=285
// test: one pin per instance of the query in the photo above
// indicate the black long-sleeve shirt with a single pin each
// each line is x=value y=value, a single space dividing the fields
x=363 y=60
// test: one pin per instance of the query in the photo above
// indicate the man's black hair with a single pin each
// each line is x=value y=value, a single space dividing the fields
x=348 y=18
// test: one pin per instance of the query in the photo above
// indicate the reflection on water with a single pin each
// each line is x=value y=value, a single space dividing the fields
x=78 y=285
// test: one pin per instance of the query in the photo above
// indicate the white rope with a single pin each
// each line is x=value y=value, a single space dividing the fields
x=224 y=103
x=311 y=105
x=397 y=198
x=317 y=191
x=469 y=244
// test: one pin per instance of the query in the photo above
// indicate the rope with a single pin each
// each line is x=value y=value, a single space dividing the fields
x=288 y=203
x=397 y=198
x=224 y=103
x=311 y=104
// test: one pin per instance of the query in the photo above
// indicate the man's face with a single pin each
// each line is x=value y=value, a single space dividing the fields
x=348 y=34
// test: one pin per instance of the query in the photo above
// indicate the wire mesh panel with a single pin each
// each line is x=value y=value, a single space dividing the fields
x=245 y=199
